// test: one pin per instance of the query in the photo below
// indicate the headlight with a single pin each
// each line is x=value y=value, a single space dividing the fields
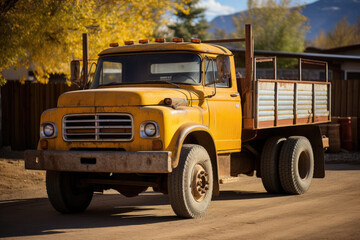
x=48 y=130
x=149 y=129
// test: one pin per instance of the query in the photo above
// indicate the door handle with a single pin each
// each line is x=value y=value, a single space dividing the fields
x=234 y=94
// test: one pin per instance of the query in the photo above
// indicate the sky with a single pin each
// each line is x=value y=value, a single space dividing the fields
x=225 y=7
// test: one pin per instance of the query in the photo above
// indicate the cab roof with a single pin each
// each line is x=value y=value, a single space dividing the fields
x=170 y=46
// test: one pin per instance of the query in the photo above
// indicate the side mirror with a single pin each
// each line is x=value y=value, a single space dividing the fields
x=75 y=70
x=223 y=65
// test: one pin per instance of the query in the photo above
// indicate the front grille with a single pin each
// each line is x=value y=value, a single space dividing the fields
x=98 y=127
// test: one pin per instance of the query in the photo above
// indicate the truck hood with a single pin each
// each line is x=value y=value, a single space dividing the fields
x=127 y=96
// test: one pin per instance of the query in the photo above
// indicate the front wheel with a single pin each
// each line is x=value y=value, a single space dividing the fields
x=65 y=193
x=190 y=184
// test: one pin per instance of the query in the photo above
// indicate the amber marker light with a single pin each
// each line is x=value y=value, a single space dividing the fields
x=144 y=41
x=44 y=144
x=178 y=40
x=194 y=40
x=160 y=40
x=114 y=44
x=168 y=101
x=129 y=42
x=157 y=145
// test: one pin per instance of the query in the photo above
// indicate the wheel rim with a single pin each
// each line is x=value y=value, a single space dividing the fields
x=304 y=165
x=199 y=183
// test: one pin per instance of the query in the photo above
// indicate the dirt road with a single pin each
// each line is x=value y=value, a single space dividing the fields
x=330 y=210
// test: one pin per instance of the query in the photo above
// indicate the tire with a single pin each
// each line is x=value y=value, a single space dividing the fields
x=269 y=164
x=64 y=194
x=296 y=165
x=190 y=185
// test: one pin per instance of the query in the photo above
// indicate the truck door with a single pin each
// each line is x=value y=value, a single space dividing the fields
x=224 y=108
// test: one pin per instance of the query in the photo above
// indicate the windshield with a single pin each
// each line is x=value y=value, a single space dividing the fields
x=180 y=68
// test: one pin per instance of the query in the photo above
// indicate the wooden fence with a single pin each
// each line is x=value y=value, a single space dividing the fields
x=21 y=106
x=345 y=99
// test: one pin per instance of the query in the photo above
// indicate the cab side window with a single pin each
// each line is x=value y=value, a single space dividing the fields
x=210 y=69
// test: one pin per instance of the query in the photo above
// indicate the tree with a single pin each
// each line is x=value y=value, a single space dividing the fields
x=190 y=22
x=343 y=34
x=47 y=33
x=276 y=26
x=219 y=34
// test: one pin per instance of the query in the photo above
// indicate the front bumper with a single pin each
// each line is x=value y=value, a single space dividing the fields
x=99 y=161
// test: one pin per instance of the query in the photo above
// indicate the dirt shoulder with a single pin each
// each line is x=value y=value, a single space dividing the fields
x=15 y=181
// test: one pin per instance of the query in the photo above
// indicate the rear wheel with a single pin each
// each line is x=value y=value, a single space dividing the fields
x=296 y=165
x=65 y=194
x=190 y=185
x=269 y=164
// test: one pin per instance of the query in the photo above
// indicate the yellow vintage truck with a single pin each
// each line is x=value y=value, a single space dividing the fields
x=175 y=116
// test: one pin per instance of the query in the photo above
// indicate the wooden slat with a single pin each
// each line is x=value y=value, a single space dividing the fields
x=27 y=117
x=333 y=97
x=355 y=98
x=337 y=98
x=343 y=98
x=349 y=95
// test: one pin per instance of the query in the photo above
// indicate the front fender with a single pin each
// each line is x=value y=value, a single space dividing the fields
x=179 y=137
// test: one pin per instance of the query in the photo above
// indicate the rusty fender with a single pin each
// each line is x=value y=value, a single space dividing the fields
x=181 y=135
x=95 y=161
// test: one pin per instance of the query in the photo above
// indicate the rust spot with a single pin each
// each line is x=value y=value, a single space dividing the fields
x=148 y=161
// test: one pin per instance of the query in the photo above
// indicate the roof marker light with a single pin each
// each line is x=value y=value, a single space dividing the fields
x=160 y=40
x=178 y=40
x=195 y=40
x=114 y=44
x=144 y=41
x=129 y=42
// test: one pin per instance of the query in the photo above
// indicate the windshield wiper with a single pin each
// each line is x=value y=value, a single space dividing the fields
x=109 y=84
x=161 y=81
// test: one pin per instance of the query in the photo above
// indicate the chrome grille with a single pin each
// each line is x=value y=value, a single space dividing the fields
x=98 y=127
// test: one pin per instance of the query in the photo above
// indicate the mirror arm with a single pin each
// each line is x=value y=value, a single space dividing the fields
x=88 y=82
x=212 y=95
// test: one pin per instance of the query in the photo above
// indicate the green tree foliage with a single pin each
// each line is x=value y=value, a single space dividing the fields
x=190 y=22
x=276 y=26
x=343 y=34
x=47 y=33
x=219 y=34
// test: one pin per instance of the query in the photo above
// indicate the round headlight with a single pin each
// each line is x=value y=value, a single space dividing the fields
x=49 y=130
x=150 y=129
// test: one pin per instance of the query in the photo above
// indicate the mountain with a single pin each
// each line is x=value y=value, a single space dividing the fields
x=322 y=14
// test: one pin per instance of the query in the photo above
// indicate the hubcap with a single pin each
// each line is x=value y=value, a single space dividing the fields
x=199 y=183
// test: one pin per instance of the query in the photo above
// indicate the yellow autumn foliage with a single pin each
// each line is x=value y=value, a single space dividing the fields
x=48 y=33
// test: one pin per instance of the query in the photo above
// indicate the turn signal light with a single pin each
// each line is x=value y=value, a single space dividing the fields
x=43 y=144
x=178 y=40
x=143 y=41
x=114 y=44
x=129 y=42
x=160 y=40
x=194 y=40
x=157 y=145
